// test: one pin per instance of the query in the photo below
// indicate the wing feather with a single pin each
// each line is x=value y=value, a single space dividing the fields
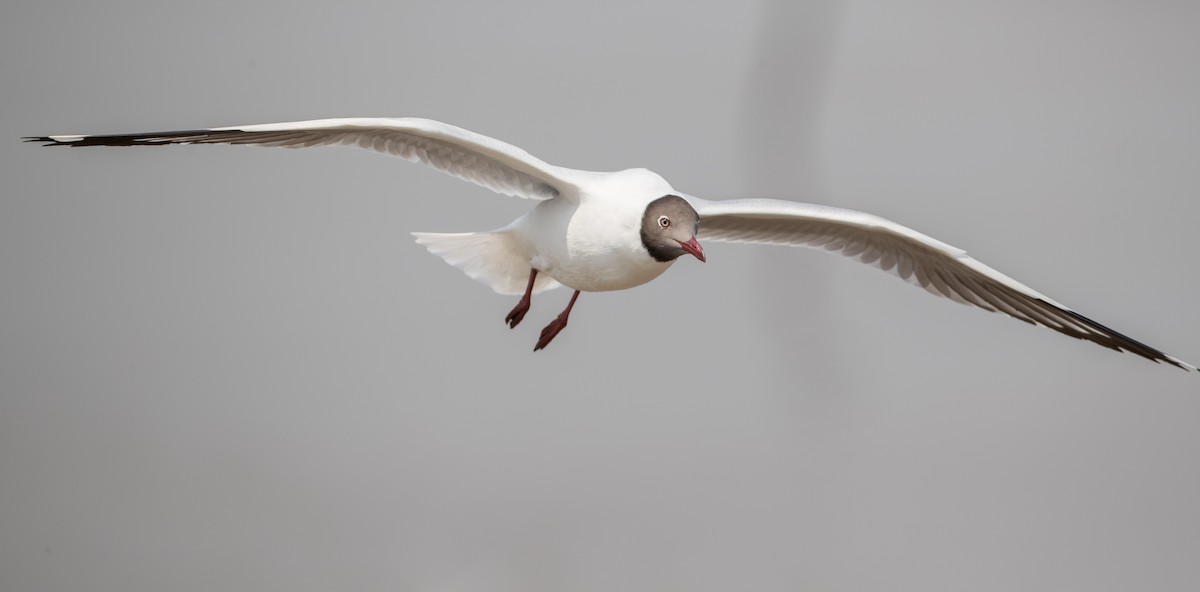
x=472 y=157
x=939 y=268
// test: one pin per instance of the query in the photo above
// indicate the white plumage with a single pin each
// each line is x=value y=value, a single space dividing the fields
x=588 y=230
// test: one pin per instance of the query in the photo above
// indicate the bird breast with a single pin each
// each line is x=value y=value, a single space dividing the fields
x=588 y=246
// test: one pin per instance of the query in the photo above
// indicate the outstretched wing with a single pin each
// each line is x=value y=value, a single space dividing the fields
x=941 y=269
x=473 y=157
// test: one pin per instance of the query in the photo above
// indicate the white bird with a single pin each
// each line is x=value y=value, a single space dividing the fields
x=595 y=231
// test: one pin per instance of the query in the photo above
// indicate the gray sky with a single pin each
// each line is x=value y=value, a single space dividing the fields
x=226 y=368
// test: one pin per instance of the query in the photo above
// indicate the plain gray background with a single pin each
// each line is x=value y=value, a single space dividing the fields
x=228 y=368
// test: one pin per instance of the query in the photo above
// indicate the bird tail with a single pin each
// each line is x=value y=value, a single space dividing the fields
x=494 y=258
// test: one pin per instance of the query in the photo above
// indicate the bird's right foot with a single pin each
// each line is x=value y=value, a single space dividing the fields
x=518 y=312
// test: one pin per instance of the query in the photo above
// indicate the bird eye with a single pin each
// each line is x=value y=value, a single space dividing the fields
x=664 y=221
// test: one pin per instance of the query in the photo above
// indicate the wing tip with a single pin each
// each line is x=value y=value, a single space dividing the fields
x=137 y=139
x=1117 y=341
x=1178 y=363
x=51 y=140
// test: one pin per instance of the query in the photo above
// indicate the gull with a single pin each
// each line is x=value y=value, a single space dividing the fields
x=601 y=231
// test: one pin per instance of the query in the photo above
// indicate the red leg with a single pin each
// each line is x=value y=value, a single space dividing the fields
x=558 y=324
x=518 y=312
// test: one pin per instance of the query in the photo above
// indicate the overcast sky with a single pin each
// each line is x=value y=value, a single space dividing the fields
x=226 y=368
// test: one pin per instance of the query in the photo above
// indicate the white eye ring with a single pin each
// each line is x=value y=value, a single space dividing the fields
x=664 y=221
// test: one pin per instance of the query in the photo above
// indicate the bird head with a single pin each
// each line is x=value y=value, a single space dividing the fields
x=669 y=228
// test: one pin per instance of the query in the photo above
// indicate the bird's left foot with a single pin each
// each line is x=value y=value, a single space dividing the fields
x=558 y=324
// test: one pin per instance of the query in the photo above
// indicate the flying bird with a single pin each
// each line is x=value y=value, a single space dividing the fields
x=600 y=231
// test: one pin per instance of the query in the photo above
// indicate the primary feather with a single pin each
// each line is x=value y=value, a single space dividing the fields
x=939 y=268
x=473 y=157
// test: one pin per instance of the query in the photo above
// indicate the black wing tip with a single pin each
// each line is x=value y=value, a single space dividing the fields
x=64 y=141
x=1120 y=342
x=43 y=140
x=143 y=139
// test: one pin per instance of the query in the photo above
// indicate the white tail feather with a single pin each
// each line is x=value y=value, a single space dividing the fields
x=493 y=258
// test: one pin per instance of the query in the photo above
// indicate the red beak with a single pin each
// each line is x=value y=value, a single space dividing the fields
x=694 y=248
